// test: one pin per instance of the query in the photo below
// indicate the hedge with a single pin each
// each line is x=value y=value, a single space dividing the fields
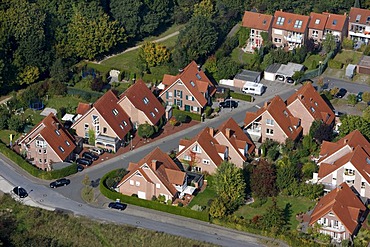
x=34 y=171
x=204 y=216
x=192 y=115
x=241 y=96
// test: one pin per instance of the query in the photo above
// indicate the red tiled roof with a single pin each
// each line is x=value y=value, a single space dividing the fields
x=137 y=93
x=166 y=170
x=238 y=138
x=52 y=126
x=317 y=21
x=363 y=14
x=191 y=73
x=314 y=103
x=281 y=115
x=105 y=105
x=257 y=21
x=342 y=202
x=291 y=22
x=82 y=108
x=335 y=22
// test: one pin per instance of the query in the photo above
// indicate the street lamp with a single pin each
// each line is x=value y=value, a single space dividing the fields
x=320 y=62
x=130 y=142
x=230 y=103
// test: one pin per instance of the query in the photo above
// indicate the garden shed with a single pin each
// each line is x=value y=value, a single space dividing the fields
x=363 y=66
x=350 y=70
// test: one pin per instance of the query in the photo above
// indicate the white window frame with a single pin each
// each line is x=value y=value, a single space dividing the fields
x=270 y=132
x=158 y=186
x=196 y=149
x=206 y=162
x=187 y=157
x=132 y=182
x=137 y=183
x=270 y=122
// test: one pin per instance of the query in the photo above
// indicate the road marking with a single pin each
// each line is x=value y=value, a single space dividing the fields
x=257 y=106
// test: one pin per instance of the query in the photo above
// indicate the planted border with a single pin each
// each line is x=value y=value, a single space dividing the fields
x=203 y=216
x=241 y=96
x=192 y=115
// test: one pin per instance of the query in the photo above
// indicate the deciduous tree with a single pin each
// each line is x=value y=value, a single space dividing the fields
x=145 y=130
x=154 y=54
x=263 y=179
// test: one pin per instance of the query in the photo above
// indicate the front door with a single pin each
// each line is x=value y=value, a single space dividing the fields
x=187 y=107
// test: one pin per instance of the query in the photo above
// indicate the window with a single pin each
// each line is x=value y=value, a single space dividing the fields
x=276 y=40
x=315 y=33
x=115 y=112
x=132 y=182
x=156 y=110
x=298 y=24
x=124 y=123
x=104 y=130
x=198 y=76
x=39 y=151
x=335 y=22
x=146 y=100
x=68 y=144
x=137 y=183
x=269 y=131
x=178 y=93
x=57 y=132
x=316 y=103
x=61 y=149
x=95 y=119
x=40 y=160
x=358 y=18
x=192 y=83
x=40 y=144
x=317 y=21
x=270 y=122
x=44 y=151
x=152 y=113
x=349 y=172
x=178 y=102
x=121 y=126
x=187 y=157
x=158 y=186
x=280 y=21
x=194 y=108
x=362 y=185
x=206 y=162
x=196 y=149
x=285 y=113
x=290 y=129
x=312 y=109
x=86 y=127
x=45 y=160
x=197 y=169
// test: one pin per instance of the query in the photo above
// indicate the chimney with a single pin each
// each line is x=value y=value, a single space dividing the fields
x=266 y=104
x=211 y=131
x=154 y=165
x=345 y=140
x=198 y=67
x=228 y=132
x=181 y=70
x=58 y=126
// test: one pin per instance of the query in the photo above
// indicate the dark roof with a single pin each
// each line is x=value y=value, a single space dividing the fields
x=273 y=68
x=247 y=75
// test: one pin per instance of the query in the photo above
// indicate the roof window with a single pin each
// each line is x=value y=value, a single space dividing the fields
x=198 y=76
x=146 y=100
x=312 y=109
x=57 y=132
x=192 y=83
x=280 y=21
x=115 y=112
x=152 y=113
x=298 y=24
x=68 y=144
x=335 y=22
x=124 y=123
x=61 y=149
x=317 y=21
x=155 y=108
x=358 y=18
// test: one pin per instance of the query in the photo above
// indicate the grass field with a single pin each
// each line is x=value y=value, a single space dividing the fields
x=291 y=205
x=347 y=57
x=70 y=102
x=241 y=57
x=309 y=61
x=203 y=197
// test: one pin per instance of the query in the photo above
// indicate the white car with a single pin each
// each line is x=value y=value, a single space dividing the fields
x=97 y=151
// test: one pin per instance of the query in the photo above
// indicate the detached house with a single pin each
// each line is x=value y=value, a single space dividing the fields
x=347 y=160
x=272 y=121
x=211 y=147
x=141 y=105
x=359 y=25
x=307 y=105
x=289 y=30
x=155 y=175
x=258 y=24
x=191 y=90
x=47 y=143
x=107 y=120
x=339 y=213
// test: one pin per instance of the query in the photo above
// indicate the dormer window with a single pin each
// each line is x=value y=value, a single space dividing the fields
x=57 y=132
x=312 y=109
x=115 y=112
x=146 y=100
x=68 y=144
x=155 y=108
x=61 y=149
x=152 y=113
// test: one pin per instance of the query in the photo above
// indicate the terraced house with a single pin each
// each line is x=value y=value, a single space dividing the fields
x=359 y=25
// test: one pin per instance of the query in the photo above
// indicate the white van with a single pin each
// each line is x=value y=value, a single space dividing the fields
x=253 y=88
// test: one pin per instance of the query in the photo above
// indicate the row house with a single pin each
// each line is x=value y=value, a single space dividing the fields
x=339 y=214
x=190 y=90
x=289 y=30
x=154 y=175
x=47 y=143
x=258 y=24
x=206 y=151
x=359 y=25
x=347 y=160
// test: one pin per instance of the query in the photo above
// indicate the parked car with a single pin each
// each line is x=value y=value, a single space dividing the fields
x=83 y=161
x=289 y=80
x=280 y=78
x=97 y=151
x=229 y=103
x=20 y=192
x=117 y=205
x=90 y=156
x=80 y=168
x=338 y=113
x=359 y=96
x=340 y=93
x=60 y=182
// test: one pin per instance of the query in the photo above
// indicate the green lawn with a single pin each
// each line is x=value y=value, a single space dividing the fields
x=70 y=102
x=203 y=197
x=293 y=205
x=241 y=57
x=4 y=136
x=309 y=62
x=347 y=57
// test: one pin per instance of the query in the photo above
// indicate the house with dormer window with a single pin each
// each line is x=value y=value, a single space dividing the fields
x=339 y=214
x=47 y=143
x=289 y=30
x=258 y=24
x=154 y=175
x=359 y=25
x=106 y=120
x=141 y=105
x=272 y=121
x=190 y=90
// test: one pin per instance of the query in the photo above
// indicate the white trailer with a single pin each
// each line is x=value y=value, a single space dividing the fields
x=253 y=88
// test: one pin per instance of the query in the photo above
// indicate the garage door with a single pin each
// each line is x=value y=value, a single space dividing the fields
x=141 y=195
x=227 y=82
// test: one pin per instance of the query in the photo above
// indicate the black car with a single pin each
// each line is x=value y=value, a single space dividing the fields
x=289 y=80
x=20 y=192
x=340 y=93
x=90 y=156
x=60 y=182
x=229 y=103
x=117 y=205
x=83 y=161
x=359 y=96
x=80 y=168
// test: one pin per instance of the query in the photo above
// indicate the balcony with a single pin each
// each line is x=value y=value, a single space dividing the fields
x=333 y=228
x=329 y=186
x=362 y=33
x=296 y=39
x=255 y=133
x=348 y=177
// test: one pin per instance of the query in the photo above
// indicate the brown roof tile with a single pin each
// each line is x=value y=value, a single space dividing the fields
x=336 y=22
x=82 y=108
x=144 y=100
x=257 y=21
x=363 y=14
x=317 y=21
x=342 y=202
x=290 y=22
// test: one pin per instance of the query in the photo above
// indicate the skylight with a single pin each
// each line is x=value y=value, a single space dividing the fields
x=368 y=19
x=115 y=112
x=298 y=24
x=317 y=21
x=146 y=100
x=198 y=76
x=192 y=83
x=280 y=21
x=57 y=132
x=335 y=22
x=358 y=18
x=61 y=149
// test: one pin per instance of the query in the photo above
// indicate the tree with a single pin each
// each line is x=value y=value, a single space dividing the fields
x=226 y=68
x=365 y=114
x=298 y=75
x=366 y=96
x=274 y=217
x=263 y=179
x=29 y=75
x=347 y=44
x=243 y=35
x=352 y=99
x=320 y=131
x=362 y=238
x=204 y=8
x=351 y=123
x=218 y=208
x=155 y=14
x=128 y=14
x=154 y=54
x=329 y=44
x=230 y=185
x=308 y=169
x=286 y=173
x=15 y=123
x=145 y=130
x=4 y=117
x=59 y=71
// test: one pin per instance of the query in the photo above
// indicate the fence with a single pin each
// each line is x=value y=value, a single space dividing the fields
x=317 y=72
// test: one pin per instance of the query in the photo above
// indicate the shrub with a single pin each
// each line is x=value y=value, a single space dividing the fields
x=197 y=208
x=241 y=96
x=192 y=115
x=208 y=111
x=333 y=64
x=180 y=204
x=154 y=198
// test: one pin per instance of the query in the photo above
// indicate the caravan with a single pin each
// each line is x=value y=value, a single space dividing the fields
x=253 y=88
